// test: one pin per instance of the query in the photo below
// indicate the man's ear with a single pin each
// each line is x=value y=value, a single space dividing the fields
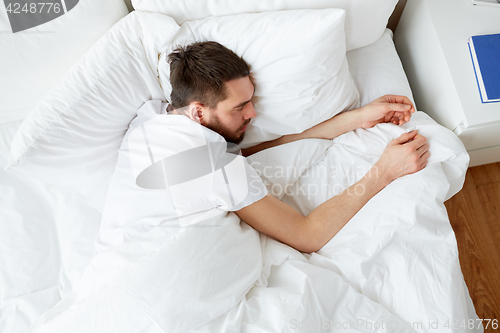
x=195 y=111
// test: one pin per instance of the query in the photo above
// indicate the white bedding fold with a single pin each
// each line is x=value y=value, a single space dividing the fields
x=175 y=279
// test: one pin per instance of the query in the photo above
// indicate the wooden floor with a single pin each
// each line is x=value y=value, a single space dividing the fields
x=474 y=214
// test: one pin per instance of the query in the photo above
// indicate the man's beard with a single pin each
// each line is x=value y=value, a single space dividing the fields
x=216 y=126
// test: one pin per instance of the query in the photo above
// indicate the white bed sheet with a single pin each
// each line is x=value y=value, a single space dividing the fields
x=47 y=241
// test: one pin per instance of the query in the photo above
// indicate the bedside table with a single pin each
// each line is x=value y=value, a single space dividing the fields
x=431 y=39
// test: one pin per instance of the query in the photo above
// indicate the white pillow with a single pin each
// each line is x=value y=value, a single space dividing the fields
x=365 y=21
x=377 y=70
x=34 y=60
x=71 y=138
x=297 y=60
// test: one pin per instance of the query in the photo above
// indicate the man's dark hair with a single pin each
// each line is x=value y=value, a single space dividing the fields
x=198 y=72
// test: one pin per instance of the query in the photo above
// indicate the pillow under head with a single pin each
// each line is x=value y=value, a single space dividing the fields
x=365 y=20
x=297 y=61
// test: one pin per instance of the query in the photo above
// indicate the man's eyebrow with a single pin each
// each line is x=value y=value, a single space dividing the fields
x=242 y=104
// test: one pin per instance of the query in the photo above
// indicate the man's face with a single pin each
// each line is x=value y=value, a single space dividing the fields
x=232 y=115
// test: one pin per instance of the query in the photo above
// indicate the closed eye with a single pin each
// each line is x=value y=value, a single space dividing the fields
x=241 y=106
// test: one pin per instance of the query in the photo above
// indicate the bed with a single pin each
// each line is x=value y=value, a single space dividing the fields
x=393 y=268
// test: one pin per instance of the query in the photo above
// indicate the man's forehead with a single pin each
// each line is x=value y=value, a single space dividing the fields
x=240 y=90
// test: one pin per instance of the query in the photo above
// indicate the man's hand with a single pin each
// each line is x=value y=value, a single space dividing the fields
x=386 y=109
x=404 y=155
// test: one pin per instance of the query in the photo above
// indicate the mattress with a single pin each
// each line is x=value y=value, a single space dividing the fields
x=48 y=233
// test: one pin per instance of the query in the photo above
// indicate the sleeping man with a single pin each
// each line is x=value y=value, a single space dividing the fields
x=212 y=86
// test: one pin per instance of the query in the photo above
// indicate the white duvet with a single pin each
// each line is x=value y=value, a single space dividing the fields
x=393 y=268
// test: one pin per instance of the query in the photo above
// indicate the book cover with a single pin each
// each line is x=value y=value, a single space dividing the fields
x=485 y=53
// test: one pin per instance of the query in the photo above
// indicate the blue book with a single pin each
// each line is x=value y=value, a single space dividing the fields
x=485 y=53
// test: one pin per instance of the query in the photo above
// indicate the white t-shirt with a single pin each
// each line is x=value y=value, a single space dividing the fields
x=172 y=171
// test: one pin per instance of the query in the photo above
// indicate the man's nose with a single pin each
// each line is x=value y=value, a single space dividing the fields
x=250 y=111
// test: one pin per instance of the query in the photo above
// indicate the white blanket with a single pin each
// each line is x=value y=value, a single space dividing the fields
x=45 y=243
x=393 y=268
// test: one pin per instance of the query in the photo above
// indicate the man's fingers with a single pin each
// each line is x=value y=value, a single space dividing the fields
x=405 y=100
x=402 y=116
x=404 y=137
x=399 y=115
x=399 y=99
x=423 y=149
x=403 y=107
x=408 y=115
x=388 y=116
x=393 y=119
x=397 y=107
x=424 y=158
x=418 y=142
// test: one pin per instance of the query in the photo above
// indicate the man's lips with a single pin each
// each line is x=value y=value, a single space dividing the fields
x=243 y=129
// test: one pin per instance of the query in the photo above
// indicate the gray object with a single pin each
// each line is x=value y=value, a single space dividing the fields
x=26 y=14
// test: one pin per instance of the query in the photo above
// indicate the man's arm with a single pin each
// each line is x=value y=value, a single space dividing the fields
x=310 y=233
x=389 y=108
x=342 y=123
